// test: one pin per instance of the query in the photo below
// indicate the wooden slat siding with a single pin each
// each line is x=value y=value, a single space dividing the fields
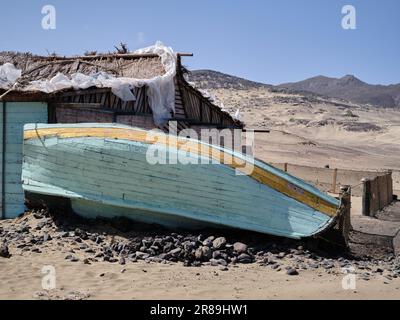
x=145 y=122
x=80 y=113
x=146 y=104
x=140 y=101
x=207 y=106
x=102 y=99
x=112 y=101
x=179 y=107
x=382 y=187
x=17 y=114
x=2 y=159
x=390 y=187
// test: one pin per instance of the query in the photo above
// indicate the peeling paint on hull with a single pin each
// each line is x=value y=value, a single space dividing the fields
x=104 y=171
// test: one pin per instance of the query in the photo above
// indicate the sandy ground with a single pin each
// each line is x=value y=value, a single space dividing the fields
x=21 y=278
x=22 y=275
x=317 y=132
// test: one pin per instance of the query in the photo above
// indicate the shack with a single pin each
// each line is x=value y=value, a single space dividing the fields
x=130 y=89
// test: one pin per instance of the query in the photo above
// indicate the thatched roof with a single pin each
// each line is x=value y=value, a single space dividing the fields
x=145 y=66
x=136 y=66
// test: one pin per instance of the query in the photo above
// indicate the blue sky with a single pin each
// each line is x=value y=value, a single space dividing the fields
x=262 y=40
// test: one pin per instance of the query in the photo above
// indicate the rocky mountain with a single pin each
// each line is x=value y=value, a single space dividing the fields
x=349 y=88
x=209 y=79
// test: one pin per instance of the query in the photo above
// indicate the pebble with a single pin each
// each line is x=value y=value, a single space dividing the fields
x=281 y=255
x=4 y=251
x=244 y=258
x=209 y=241
x=218 y=262
x=292 y=272
x=190 y=249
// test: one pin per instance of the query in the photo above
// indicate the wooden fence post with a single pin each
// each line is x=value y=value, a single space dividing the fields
x=390 y=187
x=334 y=179
x=366 y=197
x=345 y=221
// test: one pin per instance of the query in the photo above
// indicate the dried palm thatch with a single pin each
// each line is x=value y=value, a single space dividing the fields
x=138 y=66
x=120 y=65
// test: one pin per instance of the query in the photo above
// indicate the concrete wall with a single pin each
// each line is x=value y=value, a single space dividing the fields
x=11 y=128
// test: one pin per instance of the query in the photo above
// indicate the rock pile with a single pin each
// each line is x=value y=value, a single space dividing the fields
x=87 y=242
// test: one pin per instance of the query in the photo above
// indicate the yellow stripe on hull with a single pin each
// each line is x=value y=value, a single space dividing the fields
x=259 y=174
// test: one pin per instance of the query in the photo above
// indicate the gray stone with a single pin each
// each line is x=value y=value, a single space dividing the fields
x=207 y=253
x=198 y=254
x=209 y=241
x=240 y=247
x=218 y=262
x=216 y=254
x=219 y=243
x=244 y=258
x=141 y=255
x=175 y=252
x=281 y=255
x=292 y=272
x=74 y=259
x=4 y=252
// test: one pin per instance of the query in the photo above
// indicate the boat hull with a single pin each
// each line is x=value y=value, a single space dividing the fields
x=105 y=171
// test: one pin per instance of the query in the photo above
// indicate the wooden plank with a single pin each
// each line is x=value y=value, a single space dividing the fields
x=79 y=105
x=18 y=114
x=382 y=185
x=374 y=197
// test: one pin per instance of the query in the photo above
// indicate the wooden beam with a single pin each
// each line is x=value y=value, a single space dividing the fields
x=184 y=54
x=80 y=105
x=257 y=130
x=3 y=162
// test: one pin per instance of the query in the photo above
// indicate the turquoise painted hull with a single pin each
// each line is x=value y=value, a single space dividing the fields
x=110 y=177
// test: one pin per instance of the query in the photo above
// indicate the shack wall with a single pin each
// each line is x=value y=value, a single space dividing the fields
x=13 y=117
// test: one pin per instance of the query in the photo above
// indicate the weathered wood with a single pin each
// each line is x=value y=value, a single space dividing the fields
x=366 y=197
x=80 y=105
x=390 y=187
x=3 y=159
x=334 y=180
x=382 y=185
x=13 y=116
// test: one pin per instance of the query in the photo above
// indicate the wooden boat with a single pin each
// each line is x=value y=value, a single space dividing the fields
x=103 y=170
